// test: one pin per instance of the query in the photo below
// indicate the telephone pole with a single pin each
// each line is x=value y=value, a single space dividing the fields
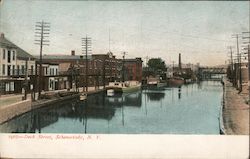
x=239 y=61
x=147 y=58
x=26 y=79
x=146 y=62
x=41 y=33
x=231 y=67
x=248 y=53
x=173 y=67
x=86 y=49
x=123 y=61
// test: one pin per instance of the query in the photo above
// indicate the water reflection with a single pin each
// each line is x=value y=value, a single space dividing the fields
x=127 y=99
x=31 y=122
x=179 y=92
x=155 y=96
x=145 y=111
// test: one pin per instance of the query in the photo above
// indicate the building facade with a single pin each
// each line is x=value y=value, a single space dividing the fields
x=101 y=68
x=16 y=65
x=133 y=69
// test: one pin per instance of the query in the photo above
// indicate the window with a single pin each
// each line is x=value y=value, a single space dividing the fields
x=32 y=69
x=7 y=87
x=3 y=71
x=50 y=83
x=9 y=56
x=56 y=71
x=13 y=70
x=12 y=86
x=14 y=55
x=22 y=71
x=9 y=70
x=3 y=53
x=18 y=68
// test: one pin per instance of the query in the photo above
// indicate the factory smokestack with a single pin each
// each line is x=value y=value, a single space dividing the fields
x=179 y=61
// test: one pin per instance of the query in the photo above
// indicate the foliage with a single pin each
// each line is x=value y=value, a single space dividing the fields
x=157 y=64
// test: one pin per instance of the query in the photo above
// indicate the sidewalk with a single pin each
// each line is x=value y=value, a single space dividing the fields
x=235 y=111
x=14 y=98
x=8 y=100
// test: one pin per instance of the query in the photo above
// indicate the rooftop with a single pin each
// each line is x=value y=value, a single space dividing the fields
x=5 y=43
x=63 y=57
x=133 y=60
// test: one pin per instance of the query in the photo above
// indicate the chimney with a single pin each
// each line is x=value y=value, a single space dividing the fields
x=2 y=35
x=72 y=52
x=179 y=61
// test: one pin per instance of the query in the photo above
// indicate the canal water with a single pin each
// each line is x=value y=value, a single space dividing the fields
x=189 y=109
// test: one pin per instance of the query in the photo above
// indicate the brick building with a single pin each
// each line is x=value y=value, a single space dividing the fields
x=133 y=69
x=109 y=67
x=101 y=67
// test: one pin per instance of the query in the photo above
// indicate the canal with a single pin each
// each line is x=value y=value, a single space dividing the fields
x=189 y=109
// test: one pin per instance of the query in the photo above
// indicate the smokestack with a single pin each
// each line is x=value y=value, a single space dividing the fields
x=179 y=61
x=73 y=53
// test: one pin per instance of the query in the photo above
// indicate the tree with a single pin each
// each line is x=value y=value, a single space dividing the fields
x=157 y=65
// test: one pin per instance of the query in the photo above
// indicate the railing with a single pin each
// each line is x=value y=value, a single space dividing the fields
x=20 y=72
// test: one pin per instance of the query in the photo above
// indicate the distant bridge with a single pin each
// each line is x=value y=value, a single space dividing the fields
x=211 y=73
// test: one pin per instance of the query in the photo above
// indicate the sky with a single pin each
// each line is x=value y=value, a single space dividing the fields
x=200 y=31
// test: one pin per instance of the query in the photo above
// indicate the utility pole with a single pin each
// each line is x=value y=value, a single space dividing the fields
x=41 y=32
x=146 y=70
x=109 y=39
x=123 y=61
x=239 y=61
x=173 y=68
x=248 y=53
x=231 y=56
x=86 y=46
x=26 y=80
x=147 y=58
x=146 y=66
x=104 y=73
x=231 y=62
x=109 y=61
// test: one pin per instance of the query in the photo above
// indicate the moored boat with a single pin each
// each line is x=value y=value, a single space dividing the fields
x=175 y=81
x=124 y=87
x=152 y=81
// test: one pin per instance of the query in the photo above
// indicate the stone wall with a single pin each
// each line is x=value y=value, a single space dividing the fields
x=10 y=111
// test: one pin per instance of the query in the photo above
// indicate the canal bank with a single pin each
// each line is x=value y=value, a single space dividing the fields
x=7 y=112
x=235 y=111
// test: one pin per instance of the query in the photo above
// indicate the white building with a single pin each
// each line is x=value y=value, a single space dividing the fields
x=13 y=66
x=51 y=71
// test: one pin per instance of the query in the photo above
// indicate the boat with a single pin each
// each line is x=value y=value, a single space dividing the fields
x=152 y=81
x=124 y=87
x=175 y=81
x=83 y=96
